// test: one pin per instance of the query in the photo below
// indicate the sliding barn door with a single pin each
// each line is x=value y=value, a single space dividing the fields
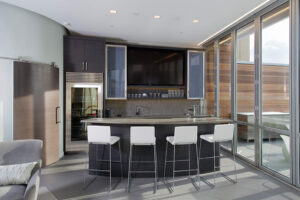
x=36 y=106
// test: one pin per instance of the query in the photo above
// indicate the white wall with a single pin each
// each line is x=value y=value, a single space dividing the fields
x=6 y=100
x=27 y=34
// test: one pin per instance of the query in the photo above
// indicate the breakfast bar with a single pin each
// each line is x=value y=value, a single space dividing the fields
x=163 y=127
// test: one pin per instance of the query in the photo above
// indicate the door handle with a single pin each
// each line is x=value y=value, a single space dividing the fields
x=57 y=112
x=86 y=66
x=82 y=69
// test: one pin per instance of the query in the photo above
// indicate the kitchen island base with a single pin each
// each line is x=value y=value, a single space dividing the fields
x=145 y=153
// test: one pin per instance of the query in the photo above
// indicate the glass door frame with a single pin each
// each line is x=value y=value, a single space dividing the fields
x=294 y=88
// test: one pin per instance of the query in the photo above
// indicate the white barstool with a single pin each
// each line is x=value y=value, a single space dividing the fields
x=183 y=135
x=101 y=135
x=142 y=136
x=222 y=133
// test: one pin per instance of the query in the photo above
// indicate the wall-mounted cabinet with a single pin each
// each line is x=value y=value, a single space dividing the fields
x=116 y=72
x=195 y=74
x=83 y=54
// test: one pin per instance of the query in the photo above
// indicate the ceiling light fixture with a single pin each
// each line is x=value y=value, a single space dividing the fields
x=113 y=11
x=156 y=16
x=195 y=21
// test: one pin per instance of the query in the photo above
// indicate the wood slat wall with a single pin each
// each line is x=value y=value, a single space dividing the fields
x=275 y=86
x=210 y=80
x=225 y=77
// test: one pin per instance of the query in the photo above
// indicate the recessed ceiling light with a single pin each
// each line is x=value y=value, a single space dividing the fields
x=195 y=21
x=156 y=16
x=113 y=11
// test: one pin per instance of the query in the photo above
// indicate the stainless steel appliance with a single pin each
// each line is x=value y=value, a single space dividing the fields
x=84 y=99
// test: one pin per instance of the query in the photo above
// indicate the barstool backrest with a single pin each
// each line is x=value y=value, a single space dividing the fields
x=224 y=132
x=142 y=134
x=98 y=134
x=185 y=135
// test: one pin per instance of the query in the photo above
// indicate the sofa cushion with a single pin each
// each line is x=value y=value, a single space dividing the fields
x=20 y=151
x=16 y=174
x=12 y=192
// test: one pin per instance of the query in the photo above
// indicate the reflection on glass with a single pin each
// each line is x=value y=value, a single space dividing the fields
x=276 y=90
x=116 y=83
x=196 y=69
x=84 y=105
x=225 y=77
x=245 y=74
x=275 y=70
x=210 y=80
x=276 y=152
x=246 y=141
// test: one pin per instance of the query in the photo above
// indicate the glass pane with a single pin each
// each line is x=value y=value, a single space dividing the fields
x=210 y=80
x=84 y=103
x=196 y=63
x=246 y=141
x=276 y=152
x=225 y=77
x=276 y=90
x=245 y=74
x=116 y=72
x=275 y=70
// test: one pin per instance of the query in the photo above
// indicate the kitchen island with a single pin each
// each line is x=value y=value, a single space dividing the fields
x=163 y=127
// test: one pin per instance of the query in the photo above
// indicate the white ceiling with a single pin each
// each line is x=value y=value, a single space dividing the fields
x=134 y=21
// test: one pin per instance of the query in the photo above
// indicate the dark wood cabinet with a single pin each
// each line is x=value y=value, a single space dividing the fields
x=95 y=55
x=36 y=106
x=84 y=54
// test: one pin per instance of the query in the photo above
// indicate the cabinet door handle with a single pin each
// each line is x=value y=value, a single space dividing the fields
x=57 y=115
x=86 y=66
x=82 y=66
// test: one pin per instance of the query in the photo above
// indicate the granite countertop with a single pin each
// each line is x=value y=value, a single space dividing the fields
x=158 y=121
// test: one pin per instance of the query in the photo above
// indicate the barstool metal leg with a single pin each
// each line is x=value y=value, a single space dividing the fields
x=174 y=161
x=198 y=171
x=109 y=168
x=155 y=168
x=166 y=155
x=129 y=169
x=121 y=165
x=200 y=155
x=214 y=164
x=189 y=146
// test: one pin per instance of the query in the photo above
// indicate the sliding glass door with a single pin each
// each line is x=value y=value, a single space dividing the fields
x=225 y=46
x=260 y=59
x=275 y=116
x=245 y=92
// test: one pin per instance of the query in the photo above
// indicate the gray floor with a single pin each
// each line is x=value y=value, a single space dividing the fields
x=64 y=180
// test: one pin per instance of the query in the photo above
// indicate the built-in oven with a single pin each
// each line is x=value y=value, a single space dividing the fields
x=84 y=100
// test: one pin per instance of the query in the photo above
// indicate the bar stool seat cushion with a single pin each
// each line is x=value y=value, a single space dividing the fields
x=171 y=140
x=151 y=142
x=113 y=140
x=210 y=138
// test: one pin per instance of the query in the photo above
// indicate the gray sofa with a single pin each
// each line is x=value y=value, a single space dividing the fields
x=17 y=152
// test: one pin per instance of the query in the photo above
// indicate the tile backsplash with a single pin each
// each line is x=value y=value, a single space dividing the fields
x=150 y=107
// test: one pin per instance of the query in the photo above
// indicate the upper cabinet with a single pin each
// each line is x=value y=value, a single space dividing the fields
x=195 y=72
x=116 y=72
x=84 y=54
